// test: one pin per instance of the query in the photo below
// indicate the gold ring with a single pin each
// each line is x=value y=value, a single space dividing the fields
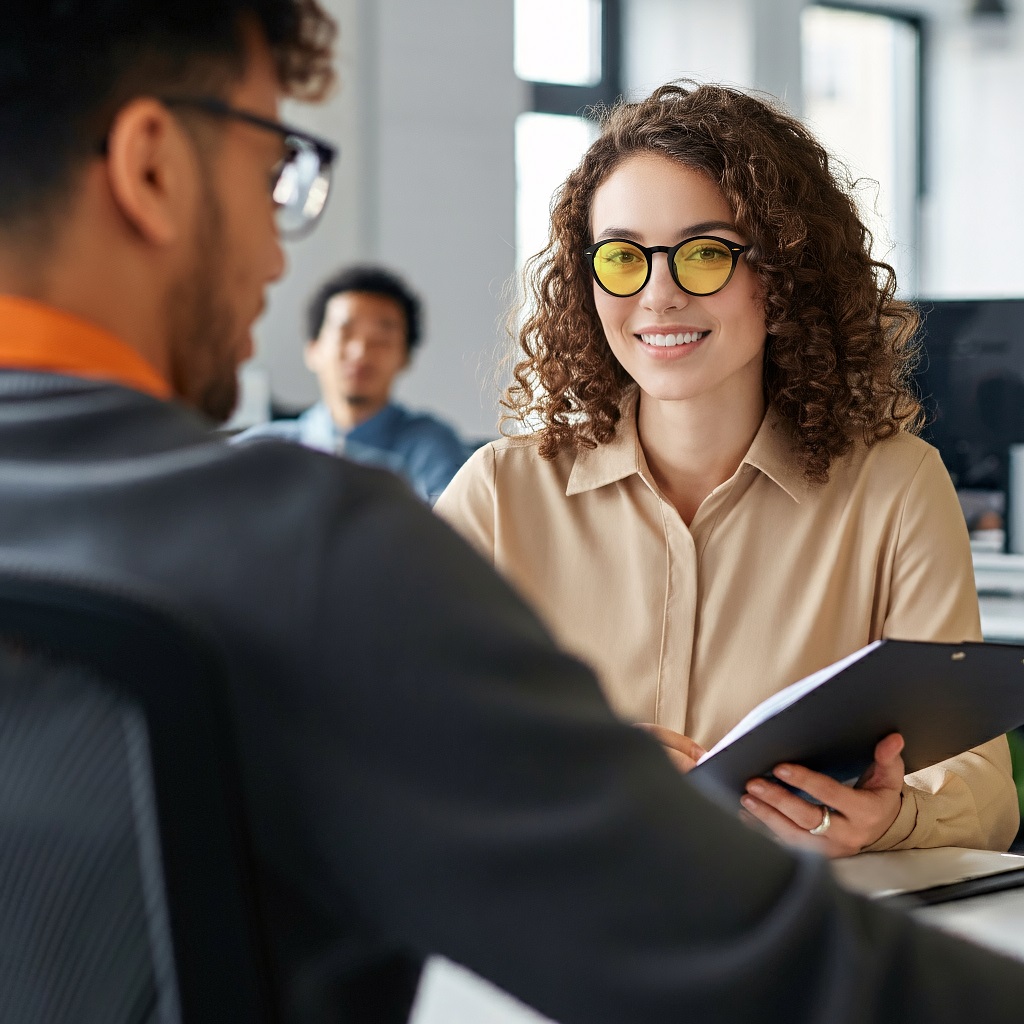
x=824 y=825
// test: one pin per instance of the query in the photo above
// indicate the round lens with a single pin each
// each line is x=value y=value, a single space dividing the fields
x=703 y=265
x=620 y=268
x=301 y=189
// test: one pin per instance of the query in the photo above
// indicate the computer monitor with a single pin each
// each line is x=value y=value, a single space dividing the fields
x=971 y=382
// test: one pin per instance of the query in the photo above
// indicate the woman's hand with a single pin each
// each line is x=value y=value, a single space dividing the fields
x=849 y=819
x=682 y=751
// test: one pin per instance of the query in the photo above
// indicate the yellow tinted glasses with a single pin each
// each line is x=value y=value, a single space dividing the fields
x=700 y=266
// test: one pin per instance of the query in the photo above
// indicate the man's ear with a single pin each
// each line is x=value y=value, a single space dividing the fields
x=152 y=169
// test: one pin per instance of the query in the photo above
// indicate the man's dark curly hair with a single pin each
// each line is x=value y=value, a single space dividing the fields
x=840 y=348
x=373 y=281
x=67 y=66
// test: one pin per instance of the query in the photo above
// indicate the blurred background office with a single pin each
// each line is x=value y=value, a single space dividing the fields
x=457 y=119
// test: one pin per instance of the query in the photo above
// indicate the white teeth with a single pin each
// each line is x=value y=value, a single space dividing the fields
x=671 y=340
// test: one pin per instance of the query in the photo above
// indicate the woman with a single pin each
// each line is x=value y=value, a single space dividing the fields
x=725 y=493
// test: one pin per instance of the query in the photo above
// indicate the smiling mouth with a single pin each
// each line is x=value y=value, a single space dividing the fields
x=672 y=340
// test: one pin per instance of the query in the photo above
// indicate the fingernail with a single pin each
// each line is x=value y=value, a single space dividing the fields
x=748 y=802
x=756 y=787
x=783 y=771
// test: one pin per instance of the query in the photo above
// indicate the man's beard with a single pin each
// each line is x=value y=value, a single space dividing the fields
x=204 y=367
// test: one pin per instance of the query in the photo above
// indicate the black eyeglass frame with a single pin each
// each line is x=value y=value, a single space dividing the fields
x=735 y=249
x=325 y=151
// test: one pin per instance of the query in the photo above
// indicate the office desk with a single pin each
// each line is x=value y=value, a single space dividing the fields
x=993 y=919
x=1000 y=582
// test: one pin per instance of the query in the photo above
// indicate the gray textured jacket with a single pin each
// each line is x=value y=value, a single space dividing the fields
x=425 y=771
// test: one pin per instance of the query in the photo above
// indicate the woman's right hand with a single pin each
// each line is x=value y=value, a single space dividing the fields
x=682 y=751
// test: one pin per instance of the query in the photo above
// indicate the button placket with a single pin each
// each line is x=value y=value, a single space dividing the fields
x=679 y=620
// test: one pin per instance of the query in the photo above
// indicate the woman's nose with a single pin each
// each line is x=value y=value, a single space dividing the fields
x=661 y=291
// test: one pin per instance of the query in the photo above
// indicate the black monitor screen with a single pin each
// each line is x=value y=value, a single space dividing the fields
x=971 y=381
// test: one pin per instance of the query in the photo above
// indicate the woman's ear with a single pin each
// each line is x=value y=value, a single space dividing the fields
x=153 y=171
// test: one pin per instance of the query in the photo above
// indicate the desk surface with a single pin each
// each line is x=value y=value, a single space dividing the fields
x=993 y=919
x=1002 y=618
x=897 y=872
x=1000 y=582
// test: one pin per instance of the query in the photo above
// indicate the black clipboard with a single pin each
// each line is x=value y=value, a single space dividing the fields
x=944 y=698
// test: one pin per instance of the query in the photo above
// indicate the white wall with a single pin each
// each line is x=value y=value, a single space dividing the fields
x=425 y=116
x=973 y=213
x=748 y=43
x=667 y=39
x=340 y=234
x=445 y=188
x=973 y=206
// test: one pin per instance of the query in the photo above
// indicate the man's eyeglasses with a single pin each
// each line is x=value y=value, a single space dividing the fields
x=300 y=182
x=699 y=266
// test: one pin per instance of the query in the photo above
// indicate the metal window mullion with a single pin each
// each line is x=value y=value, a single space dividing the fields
x=581 y=100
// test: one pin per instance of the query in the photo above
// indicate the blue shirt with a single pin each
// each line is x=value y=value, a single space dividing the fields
x=417 y=446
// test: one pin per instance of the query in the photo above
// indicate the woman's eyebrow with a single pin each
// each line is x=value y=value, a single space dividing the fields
x=688 y=232
x=633 y=236
x=706 y=226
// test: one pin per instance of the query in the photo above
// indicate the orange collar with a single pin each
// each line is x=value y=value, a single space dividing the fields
x=38 y=337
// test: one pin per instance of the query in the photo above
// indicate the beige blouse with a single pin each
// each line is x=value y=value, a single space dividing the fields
x=774 y=579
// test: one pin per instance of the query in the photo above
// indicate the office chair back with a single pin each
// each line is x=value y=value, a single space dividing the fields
x=126 y=891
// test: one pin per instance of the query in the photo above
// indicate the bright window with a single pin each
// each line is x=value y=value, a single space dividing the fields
x=548 y=147
x=569 y=51
x=862 y=98
x=558 y=41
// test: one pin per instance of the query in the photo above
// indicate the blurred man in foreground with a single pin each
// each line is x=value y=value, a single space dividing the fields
x=363 y=326
x=424 y=771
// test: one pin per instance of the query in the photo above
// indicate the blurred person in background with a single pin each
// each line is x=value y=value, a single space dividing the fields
x=364 y=325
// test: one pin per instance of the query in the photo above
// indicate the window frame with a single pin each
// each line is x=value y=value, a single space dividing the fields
x=919 y=24
x=585 y=100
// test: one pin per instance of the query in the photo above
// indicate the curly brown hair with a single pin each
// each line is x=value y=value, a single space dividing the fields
x=840 y=348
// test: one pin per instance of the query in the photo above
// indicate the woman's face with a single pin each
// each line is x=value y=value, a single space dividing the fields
x=678 y=346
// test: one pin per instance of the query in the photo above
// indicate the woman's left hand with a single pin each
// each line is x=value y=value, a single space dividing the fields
x=683 y=752
x=849 y=818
